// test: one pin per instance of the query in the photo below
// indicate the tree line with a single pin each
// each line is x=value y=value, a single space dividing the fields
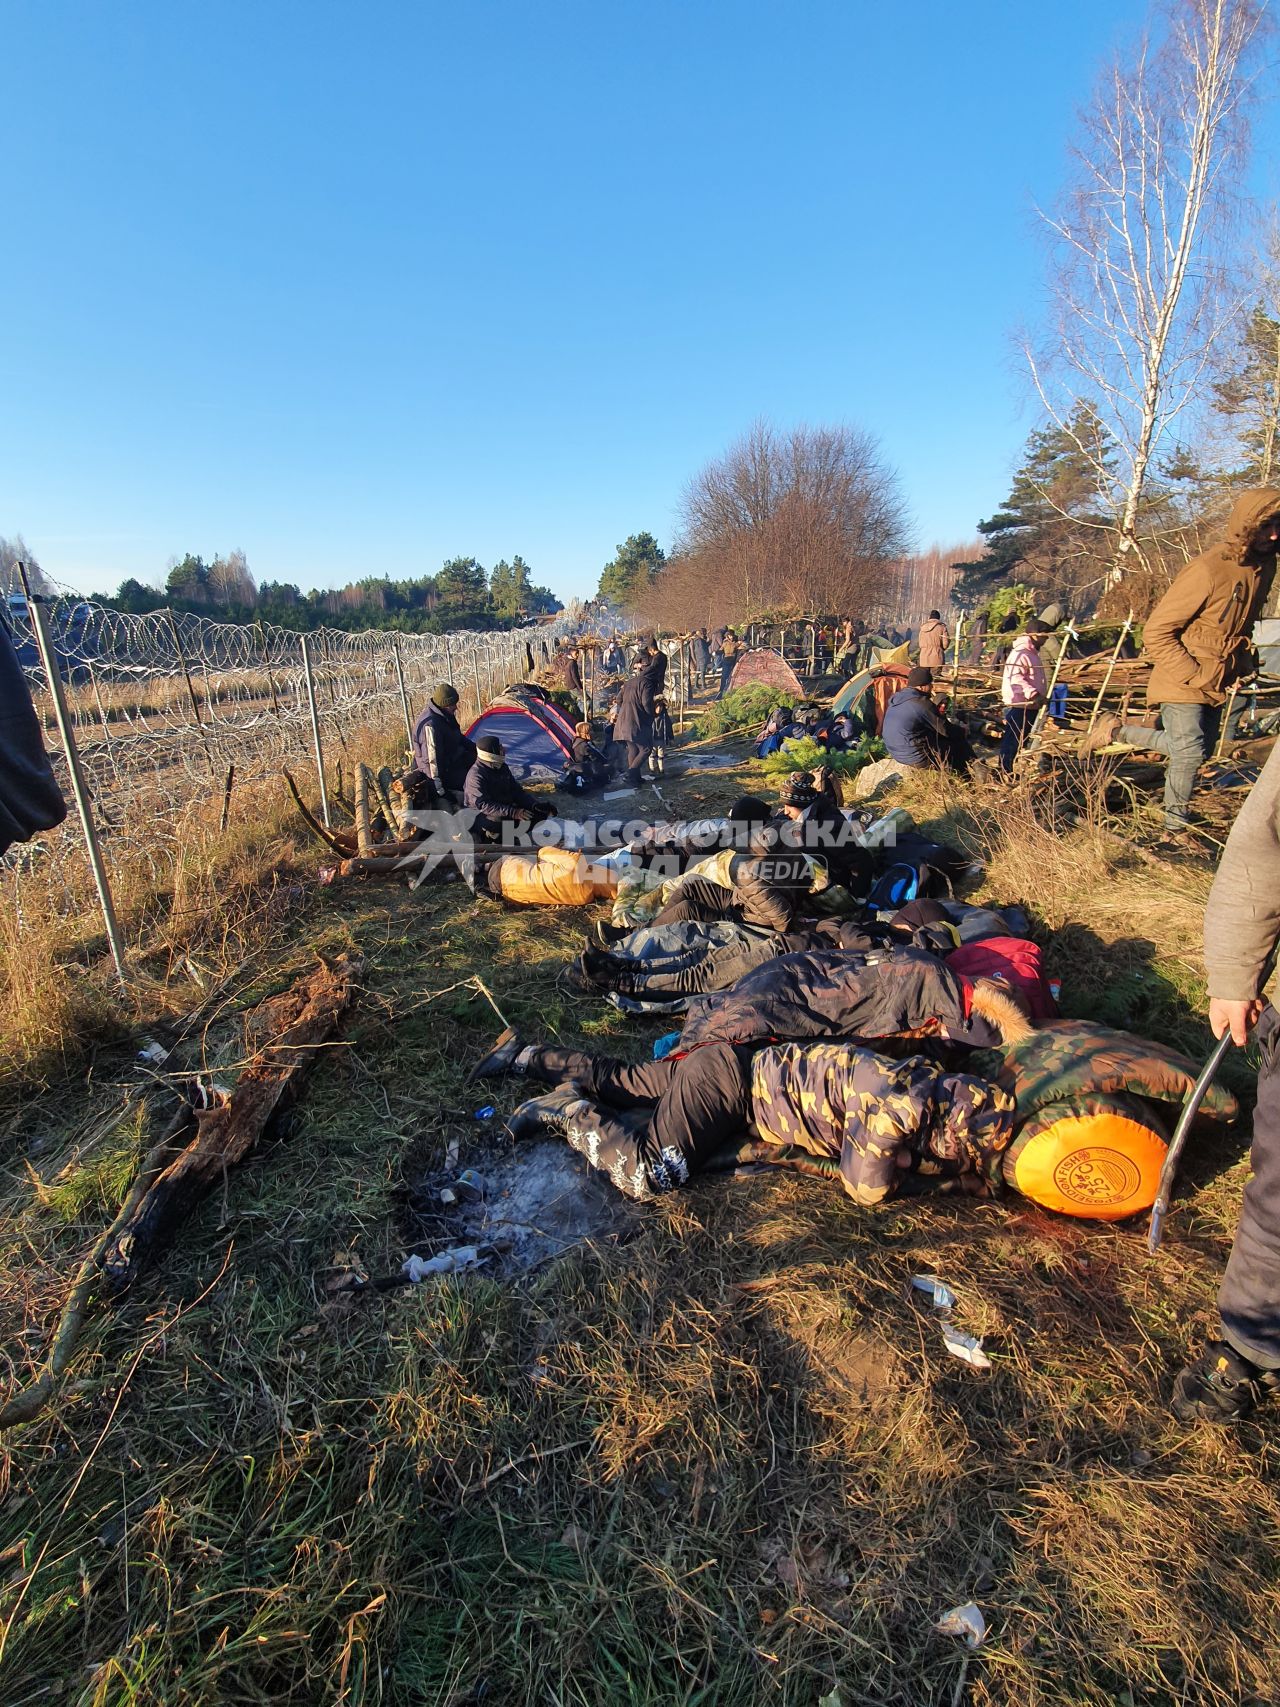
x=462 y=594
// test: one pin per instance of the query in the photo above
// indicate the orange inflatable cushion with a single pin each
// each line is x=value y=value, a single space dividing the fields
x=1098 y=1157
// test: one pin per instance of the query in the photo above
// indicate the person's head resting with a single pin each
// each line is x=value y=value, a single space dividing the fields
x=750 y=810
x=1037 y=632
x=935 y=616
x=489 y=751
x=444 y=696
x=921 y=680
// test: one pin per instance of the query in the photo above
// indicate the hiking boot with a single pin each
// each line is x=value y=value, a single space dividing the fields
x=577 y=981
x=1101 y=735
x=1220 y=1386
x=604 y=935
x=501 y=1058
x=547 y=1113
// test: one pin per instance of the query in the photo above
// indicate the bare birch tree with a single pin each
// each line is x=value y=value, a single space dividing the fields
x=1138 y=264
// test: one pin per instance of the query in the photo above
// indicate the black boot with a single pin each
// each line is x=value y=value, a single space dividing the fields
x=501 y=1058
x=604 y=935
x=1220 y=1386
x=547 y=1113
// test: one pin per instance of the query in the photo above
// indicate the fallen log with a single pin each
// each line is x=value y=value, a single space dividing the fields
x=283 y=1036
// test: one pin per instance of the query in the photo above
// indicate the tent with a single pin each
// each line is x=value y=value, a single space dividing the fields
x=866 y=695
x=763 y=667
x=536 y=736
x=851 y=693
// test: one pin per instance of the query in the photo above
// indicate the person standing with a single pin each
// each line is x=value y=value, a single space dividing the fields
x=1022 y=690
x=1198 y=641
x=701 y=649
x=730 y=647
x=633 y=720
x=1241 y=927
x=934 y=641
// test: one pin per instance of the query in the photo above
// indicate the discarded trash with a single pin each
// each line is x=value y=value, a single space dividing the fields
x=470 y=1185
x=665 y=1044
x=486 y=1113
x=966 y=1621
x=451 y=1153
x=965 y=1347
x=942 y=1297
x=448 y=1196
x=153 y=1052
x=617 y=793
x=448 y=1262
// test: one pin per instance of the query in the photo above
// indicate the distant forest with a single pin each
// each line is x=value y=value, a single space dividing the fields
x=461 y=594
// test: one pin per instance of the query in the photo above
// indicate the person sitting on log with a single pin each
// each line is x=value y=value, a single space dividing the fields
x=494 y=794
x=442 y=752
x=888 y=1125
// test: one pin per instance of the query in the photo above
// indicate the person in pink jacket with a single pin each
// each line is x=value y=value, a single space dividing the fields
x=1023 y=691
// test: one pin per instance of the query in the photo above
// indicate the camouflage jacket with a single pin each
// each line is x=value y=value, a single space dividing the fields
x=1070 y=1058
x=883 y=1120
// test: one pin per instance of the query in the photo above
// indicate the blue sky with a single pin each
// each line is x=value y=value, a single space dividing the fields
x=359 y=288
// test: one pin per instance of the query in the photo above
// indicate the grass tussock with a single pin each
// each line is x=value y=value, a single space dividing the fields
x=724 y=1460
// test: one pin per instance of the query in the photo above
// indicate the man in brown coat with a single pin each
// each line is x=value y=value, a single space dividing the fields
x=1197 y=639
x=934 y=641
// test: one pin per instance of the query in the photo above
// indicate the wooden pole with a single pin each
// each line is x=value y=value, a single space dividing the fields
x=315 y=730
x=49 y=660
x=1106 y=680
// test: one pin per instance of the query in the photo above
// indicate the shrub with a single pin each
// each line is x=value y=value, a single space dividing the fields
x=806 y=754
x=741 y=706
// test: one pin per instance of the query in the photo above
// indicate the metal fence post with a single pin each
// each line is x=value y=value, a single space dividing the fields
x=404 y=696
x=315 y=728
x=78 y=789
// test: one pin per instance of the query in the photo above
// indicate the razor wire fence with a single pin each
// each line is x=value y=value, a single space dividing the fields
x=168 y=710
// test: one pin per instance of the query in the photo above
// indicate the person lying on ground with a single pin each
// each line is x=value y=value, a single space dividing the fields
x=706 y=888
x=441 y=751
x=494 y=794
x=660 y=967
x=687 y=838
x=889 y=1125
x=894 y=991
x=916 y=732
x=1198 y=641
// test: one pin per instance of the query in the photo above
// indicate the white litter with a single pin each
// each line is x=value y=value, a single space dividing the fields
x=941 y=1297
x=448 y=1262
x=154 y=1053
x=965 y=1347
x=966 y=1621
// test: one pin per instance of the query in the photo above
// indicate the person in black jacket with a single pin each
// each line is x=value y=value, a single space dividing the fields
x=443 y=753
x=588 y=768
x=494 y=794
x=30 y=799
x=633 y=718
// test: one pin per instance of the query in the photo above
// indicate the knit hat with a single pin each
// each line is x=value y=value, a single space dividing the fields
x=798 y=790
x=489 y=750
x=444 y=697
x=920 y=678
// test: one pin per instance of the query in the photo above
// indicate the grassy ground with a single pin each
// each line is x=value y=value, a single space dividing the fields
x=722 y=1460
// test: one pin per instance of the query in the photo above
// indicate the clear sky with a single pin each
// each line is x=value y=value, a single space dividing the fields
x=359 y=287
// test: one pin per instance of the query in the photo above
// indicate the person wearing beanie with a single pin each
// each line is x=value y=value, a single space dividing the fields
x=916 y=733
x=633 y=715
x=1022 y=689
x=442 y=753
x=494 y=794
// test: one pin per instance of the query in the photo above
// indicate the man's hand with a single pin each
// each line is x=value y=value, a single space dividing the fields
x=1239 y=1018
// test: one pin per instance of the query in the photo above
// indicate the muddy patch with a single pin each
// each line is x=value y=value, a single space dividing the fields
x=519 y=1205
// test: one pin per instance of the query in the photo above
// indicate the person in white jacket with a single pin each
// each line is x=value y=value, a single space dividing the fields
x=1022 y=689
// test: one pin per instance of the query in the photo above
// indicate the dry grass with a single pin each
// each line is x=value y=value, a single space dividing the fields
x=745 y=1469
